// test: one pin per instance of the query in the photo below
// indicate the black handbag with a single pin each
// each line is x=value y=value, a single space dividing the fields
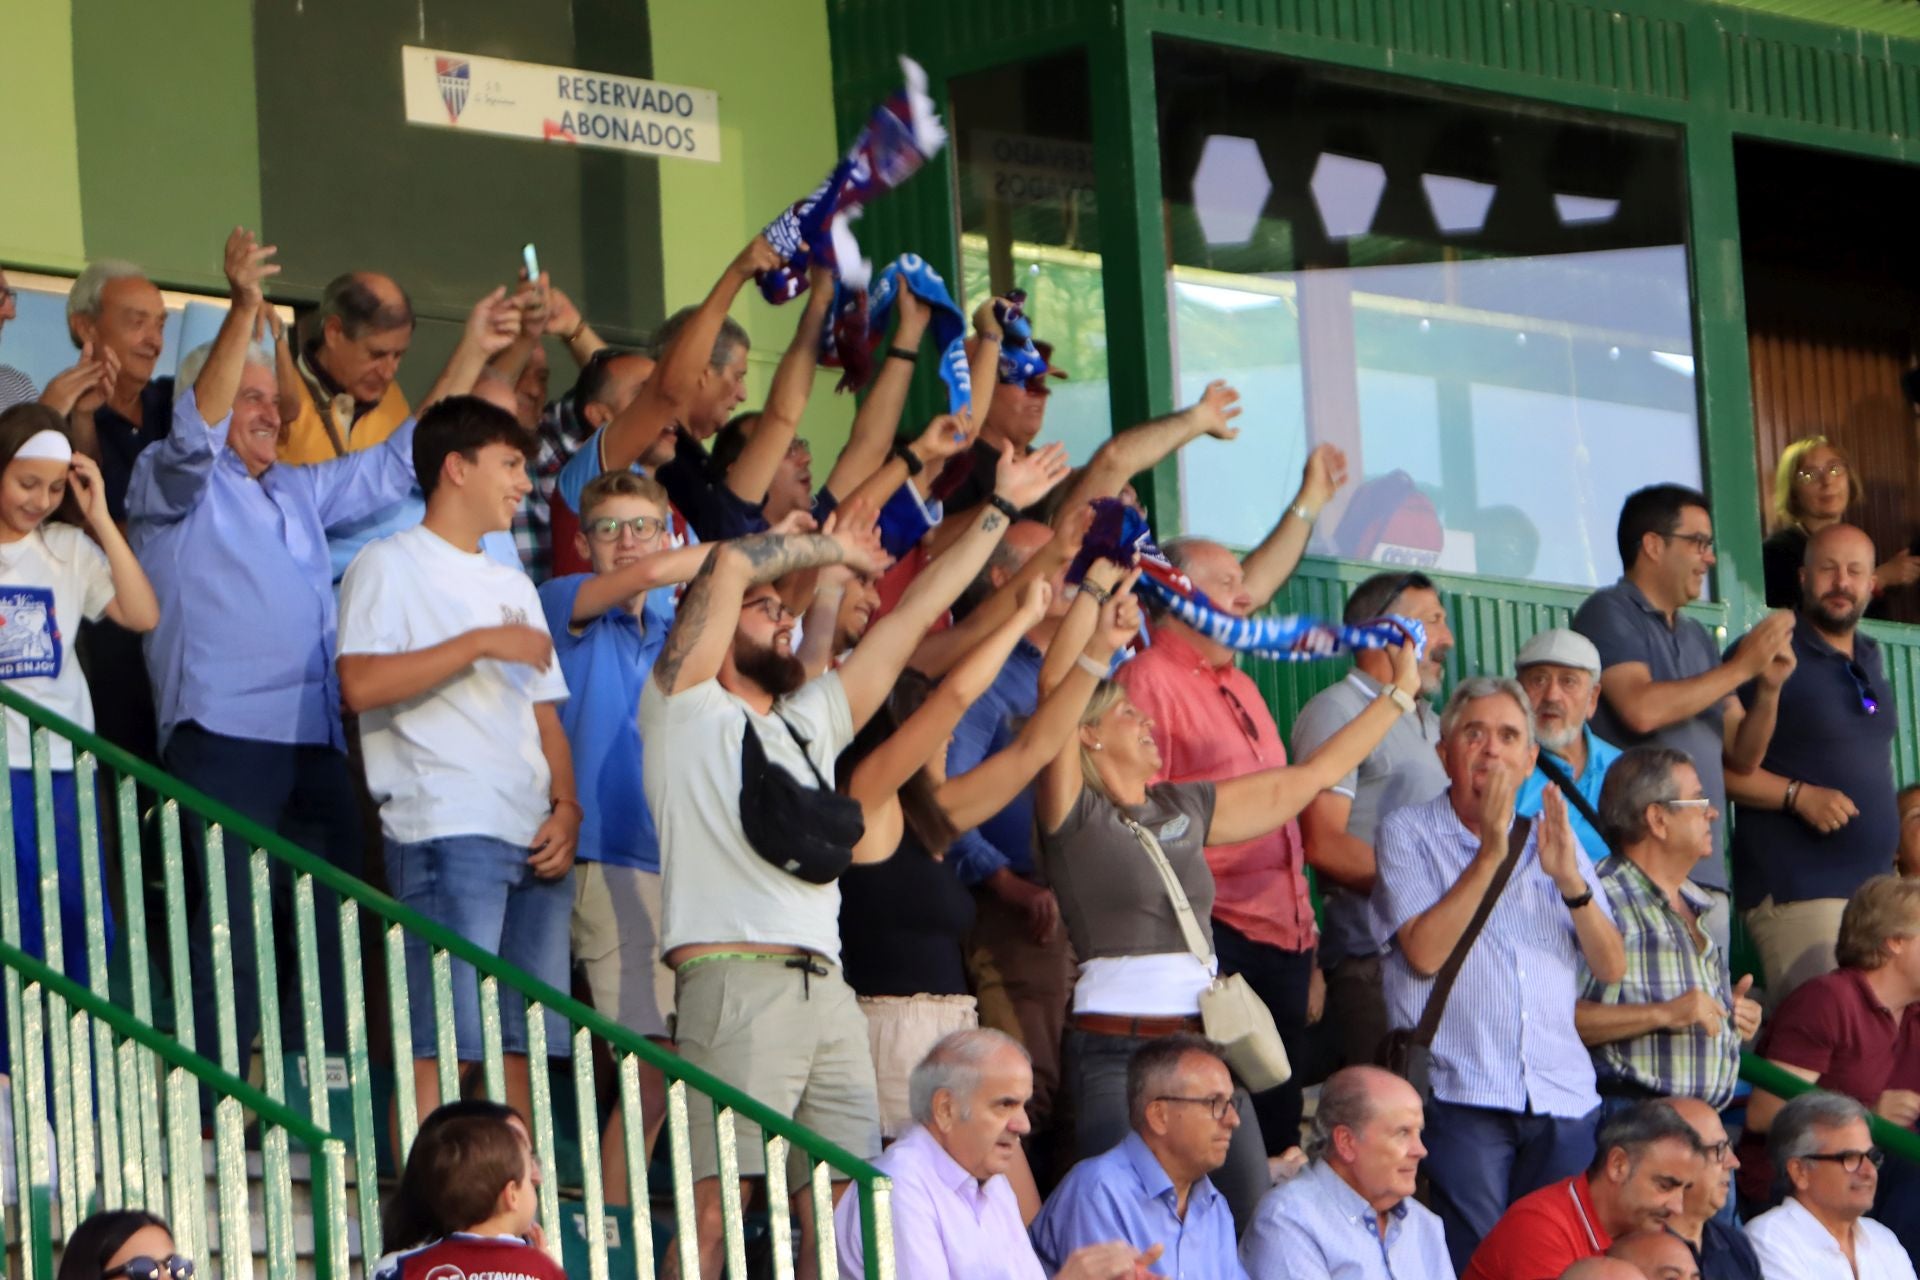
x=1408 y=1051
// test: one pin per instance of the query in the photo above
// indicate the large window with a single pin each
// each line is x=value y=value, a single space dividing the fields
x=1029 y=220
x=1486 y=307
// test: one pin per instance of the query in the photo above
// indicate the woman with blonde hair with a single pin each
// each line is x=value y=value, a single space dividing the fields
x=1813 y=486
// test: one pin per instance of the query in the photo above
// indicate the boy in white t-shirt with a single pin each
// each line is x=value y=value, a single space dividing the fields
x=51 y=576
x=445 y=655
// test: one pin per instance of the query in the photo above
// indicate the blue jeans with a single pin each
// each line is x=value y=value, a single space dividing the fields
x=483 y=890
x=1281 y=979
x=26 y=859
x=1480 y=1160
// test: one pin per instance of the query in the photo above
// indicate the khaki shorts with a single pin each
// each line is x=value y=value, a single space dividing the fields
x=900 y=1031
x=616 y=939
x=794 y=1041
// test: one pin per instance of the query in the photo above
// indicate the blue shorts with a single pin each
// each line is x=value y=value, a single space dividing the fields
x=483 y=890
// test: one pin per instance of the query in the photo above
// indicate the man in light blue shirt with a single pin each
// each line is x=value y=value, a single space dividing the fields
x=1560 y=670
x=1514 y=1104
x=242 y=663
x=1152 y=1189
x=1351 y=1215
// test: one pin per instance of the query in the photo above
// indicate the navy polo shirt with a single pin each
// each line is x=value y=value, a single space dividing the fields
x=121 y=441
x=1625 y=627
x=1824 y=737
x=606 y=663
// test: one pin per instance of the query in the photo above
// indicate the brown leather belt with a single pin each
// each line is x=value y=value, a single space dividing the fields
x=1119 y=1024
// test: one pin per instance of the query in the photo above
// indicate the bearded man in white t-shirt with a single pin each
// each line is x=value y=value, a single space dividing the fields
x=446 y=657
x=732 y=726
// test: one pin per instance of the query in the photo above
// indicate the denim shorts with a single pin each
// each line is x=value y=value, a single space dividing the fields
x=483 y=890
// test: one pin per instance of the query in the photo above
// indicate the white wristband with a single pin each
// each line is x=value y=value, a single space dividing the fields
x=1091 y=667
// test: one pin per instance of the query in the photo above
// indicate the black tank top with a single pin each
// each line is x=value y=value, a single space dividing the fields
x=904 y=925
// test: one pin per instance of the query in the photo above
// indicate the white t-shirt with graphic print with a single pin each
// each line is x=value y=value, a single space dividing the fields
x=462 y=759
x=49 y=581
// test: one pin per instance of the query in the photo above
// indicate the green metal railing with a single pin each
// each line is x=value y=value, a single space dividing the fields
x=104 y=770
x=149 y=1148
x=1761 y=1074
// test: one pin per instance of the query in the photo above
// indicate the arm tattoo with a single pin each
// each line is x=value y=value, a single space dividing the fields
x=773 y=555
x=688 y=622
x=993 y=521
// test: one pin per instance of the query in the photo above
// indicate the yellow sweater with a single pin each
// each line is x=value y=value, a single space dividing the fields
x=306 y=438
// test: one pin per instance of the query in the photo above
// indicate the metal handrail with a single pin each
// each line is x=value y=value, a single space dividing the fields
x=871 y=1183
x=1761 y=1074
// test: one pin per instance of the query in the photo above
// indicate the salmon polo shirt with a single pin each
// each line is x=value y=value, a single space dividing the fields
x=1212 y=725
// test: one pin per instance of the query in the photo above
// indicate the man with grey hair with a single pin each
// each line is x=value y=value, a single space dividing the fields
x=1824 y=1153
x=1340 y=826
x=1513 y=1104
x=338 y=390
x=1672 y=1026
x=116 y=313
x=1152 y=1187
x=1352 y=1212
x=954 y=1213
x=242 y=662
x=1560 y=670
x=1211 y=724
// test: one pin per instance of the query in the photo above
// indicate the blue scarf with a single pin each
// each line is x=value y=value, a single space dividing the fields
x=1120 y=534
x=914 y=274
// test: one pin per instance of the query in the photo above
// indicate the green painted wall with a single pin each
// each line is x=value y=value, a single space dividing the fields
x=38 y=152
x=778 y=139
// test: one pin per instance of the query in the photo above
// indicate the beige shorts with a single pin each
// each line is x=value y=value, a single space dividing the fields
x=616 y=938
x=796 y=1042
x=900 y=1031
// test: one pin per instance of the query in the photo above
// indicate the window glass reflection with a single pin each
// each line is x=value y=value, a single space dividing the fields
x=1487 y=309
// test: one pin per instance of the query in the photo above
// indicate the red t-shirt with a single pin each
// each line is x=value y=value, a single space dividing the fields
x=1836 y=1027
x=1541 y=1235
x=470 y=1257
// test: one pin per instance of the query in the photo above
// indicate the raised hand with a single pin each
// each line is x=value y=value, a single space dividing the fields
x=247 y=266
x=757 y=257
x=1119 y=620
x=1024 y=481
x=493 y=323
x=1559 y=851
x=531 y=298
x=1216 y=409
x=1325 y=472
x=946 y=436
x=986 y=317
x=1070 y=525
x=1032 y=605
x=65 y=388
x=1406 y=668
x=853 y=527
x=1496 y=807
x=1760 y=646
x=88 y=489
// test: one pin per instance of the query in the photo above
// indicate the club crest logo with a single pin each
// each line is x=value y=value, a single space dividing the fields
x=456 y=79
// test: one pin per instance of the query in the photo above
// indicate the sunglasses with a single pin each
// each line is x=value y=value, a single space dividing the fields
x=1247 y=726
x=1849 y=1161
x=177 y=1267
x=1864 y=687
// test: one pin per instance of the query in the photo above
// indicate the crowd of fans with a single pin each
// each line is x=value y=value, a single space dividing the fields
x=848 y=794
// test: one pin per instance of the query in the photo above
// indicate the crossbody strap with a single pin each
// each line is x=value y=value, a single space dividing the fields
x=1182 y=908
x=806 y=752
x=1443 y=981
x=1559 y=778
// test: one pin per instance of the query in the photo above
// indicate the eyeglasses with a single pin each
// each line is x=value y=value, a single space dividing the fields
x=1716 y=1152
x=1864 y=687
x=607 y=528
x=799 y=448
x=177 y=1267
x=1247 y=726
x=1702 y=542
x=1217 y=1105
x=1849 y=1161
x=1698 y=802
x=773 y=606
x=1832 y=471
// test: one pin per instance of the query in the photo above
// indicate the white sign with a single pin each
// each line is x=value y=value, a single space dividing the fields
x=559 y=104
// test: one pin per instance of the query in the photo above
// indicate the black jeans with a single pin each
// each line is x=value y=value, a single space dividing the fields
x=1281 y=978
x=303 y=793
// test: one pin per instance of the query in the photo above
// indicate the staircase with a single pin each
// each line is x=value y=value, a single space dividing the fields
x=140 y=1143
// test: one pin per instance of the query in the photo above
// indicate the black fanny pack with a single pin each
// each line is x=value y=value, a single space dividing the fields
x=807 y=832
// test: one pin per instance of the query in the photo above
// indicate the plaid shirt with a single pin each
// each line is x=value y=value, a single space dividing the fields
x=1664 y=962
x=561 y=432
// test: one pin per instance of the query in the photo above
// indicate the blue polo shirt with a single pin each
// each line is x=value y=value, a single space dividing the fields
x=606 y=663
x=1600 y=758
x=1825 y=737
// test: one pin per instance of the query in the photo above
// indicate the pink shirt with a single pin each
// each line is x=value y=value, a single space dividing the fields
x=947 y=1225
x=1211 y=724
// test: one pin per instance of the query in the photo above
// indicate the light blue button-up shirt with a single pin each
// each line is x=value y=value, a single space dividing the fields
x=1600 y=757
x=1507 y=1039
x=1124 y=1194
x=1317 y=1227
x=245 y=645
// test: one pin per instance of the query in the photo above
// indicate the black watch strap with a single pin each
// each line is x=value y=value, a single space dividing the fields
x=912 y=459
x=902 y=353
x=1004 y=507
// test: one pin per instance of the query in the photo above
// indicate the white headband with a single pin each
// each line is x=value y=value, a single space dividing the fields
x=49 y=444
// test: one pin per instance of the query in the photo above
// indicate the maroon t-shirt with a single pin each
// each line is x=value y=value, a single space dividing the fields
x=472 y=1257
x=1835 y=1026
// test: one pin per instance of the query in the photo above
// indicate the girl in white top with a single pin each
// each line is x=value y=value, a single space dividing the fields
x=51 y=576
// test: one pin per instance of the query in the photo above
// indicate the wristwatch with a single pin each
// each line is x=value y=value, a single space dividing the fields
x=1574 y=904
x=1401 y=699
